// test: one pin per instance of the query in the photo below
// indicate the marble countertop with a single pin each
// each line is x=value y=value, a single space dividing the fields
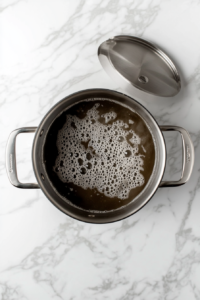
x=48 y=51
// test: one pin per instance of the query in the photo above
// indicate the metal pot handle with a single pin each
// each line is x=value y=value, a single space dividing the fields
x=11 y=166
x=188 y=156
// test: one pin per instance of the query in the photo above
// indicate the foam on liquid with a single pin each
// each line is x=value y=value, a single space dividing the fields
x=96 y=155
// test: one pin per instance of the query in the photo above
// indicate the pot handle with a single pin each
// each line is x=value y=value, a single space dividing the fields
x=188 y=156
x=11 y=166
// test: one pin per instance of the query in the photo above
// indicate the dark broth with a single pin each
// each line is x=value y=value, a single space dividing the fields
x=59 y=165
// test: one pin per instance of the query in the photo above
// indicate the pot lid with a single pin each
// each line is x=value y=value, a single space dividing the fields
x=135 y=63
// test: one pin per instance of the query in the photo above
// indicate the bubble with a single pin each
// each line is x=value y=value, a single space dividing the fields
x=73 y=125
x=89 y=166
x=83 y=171
x=88 y=156
x=128 y=153
x=80 y=161
x=120 y=139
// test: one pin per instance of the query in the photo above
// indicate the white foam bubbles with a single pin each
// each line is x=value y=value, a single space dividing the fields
x=109 y=116
x=102 y=156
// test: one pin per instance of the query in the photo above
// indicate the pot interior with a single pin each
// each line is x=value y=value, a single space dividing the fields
x=85 y=170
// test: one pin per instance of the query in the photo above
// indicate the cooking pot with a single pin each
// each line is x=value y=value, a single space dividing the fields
x=58 y=200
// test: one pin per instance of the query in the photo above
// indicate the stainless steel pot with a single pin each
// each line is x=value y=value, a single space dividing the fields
x=46 y=185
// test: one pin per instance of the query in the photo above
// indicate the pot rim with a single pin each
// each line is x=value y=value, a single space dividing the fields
x=47 y=187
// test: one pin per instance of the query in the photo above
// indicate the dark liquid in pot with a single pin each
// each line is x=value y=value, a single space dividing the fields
x=99 y=155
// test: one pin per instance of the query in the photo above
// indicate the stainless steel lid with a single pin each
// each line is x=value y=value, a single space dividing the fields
x=135 y=63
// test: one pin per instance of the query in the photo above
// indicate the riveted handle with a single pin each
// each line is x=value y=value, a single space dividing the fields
x=11 y=166
x=188 y=156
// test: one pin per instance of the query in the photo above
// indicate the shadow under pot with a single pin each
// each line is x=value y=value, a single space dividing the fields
x=99 y=156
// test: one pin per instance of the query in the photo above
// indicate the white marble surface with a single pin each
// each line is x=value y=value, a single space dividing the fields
x=48 y=50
